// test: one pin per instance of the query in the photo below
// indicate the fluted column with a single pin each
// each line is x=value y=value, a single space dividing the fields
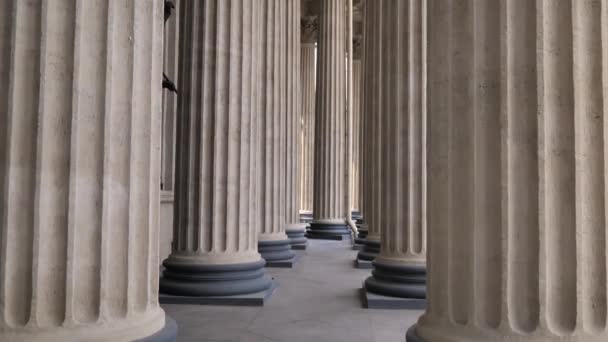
x=517 y=172
x=80 y=89
x=308 y=86
x=275 y=128
x=373 y=106
x=356 y=160
x=216 y=193
x=295 y=230
x=399 y=269
x=330 y=125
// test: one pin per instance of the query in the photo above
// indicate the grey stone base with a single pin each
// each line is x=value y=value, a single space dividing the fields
x=167 y=334
x=329 y=231
x=363 y=264
x=289 y=263
x=357 y=247
x=411 y=335
x=376 y=301
x=275 y=250
x=328 y=237
x=252 y=299
x=300 y=247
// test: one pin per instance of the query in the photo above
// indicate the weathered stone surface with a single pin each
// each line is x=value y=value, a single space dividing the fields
x=80 y=104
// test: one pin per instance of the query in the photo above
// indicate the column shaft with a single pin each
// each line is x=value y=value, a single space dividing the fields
x=356 y=161
x=295 y=230
x=372 y=108
x=517 y=173
x=308 y=82
x=276 y=125
x=216 y=192
x=330 y=125
x=80 y=89
x=399 y=269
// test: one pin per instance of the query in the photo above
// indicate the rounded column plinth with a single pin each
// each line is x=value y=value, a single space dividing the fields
x=370 y=251
x=404 y=281
x=306 y=217
x=362 y=232
x=297 y=236
x=276 y=250
x=328 y=231
x=185 y=279
x=356 y=215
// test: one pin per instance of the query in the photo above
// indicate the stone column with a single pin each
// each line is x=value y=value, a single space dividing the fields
x=275 y=127
x=308 y=85
x=356 y=162
x=216 y=194
x=295 y=230
x=517 y=174
x=330 y=125
x=373 y=106
x=400 y=268
x=80 y=90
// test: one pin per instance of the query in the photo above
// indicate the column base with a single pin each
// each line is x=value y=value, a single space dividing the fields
x=326 y=231
x=363 y=264
x=402 y=281
x=167 y=334
x=275 y=251
x=411 y=335
x=297 y=237
x=376 y=301
x=370 y=251
x=251 y=299
x=361 y=235
x=182 y=279
x=305 y=217
x=356 y=215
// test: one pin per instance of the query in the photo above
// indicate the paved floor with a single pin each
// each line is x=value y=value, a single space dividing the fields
x=317 y=301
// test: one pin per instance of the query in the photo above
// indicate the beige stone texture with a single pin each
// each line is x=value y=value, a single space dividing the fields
x=308 y=85
x=216 y=190
x=330 y=115
x=516 y=171
x=402 y=182
x=371 y=107
x=79 y=170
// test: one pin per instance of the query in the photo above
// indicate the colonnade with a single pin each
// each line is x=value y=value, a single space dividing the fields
x=482 y=144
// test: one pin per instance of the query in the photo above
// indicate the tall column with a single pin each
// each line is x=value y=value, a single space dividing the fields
x=400 y=268
x=373 y=107
x=80 y=89
x=216 y=193
x=295 y=230
x=517 y=173
x=273 y=243
x=356 y=160
x=308 y=86
x=330 y=125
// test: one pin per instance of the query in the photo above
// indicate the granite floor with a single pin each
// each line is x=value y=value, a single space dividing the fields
x=317 y=301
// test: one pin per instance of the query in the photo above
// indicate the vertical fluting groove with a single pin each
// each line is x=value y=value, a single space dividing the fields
x=105 y=266
x=486 y=264
x=17 y=224
x=590 y=195
x=6 y=75
x=132 y=164
x=521 y=165
x=558 y=171
x=461 y=166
